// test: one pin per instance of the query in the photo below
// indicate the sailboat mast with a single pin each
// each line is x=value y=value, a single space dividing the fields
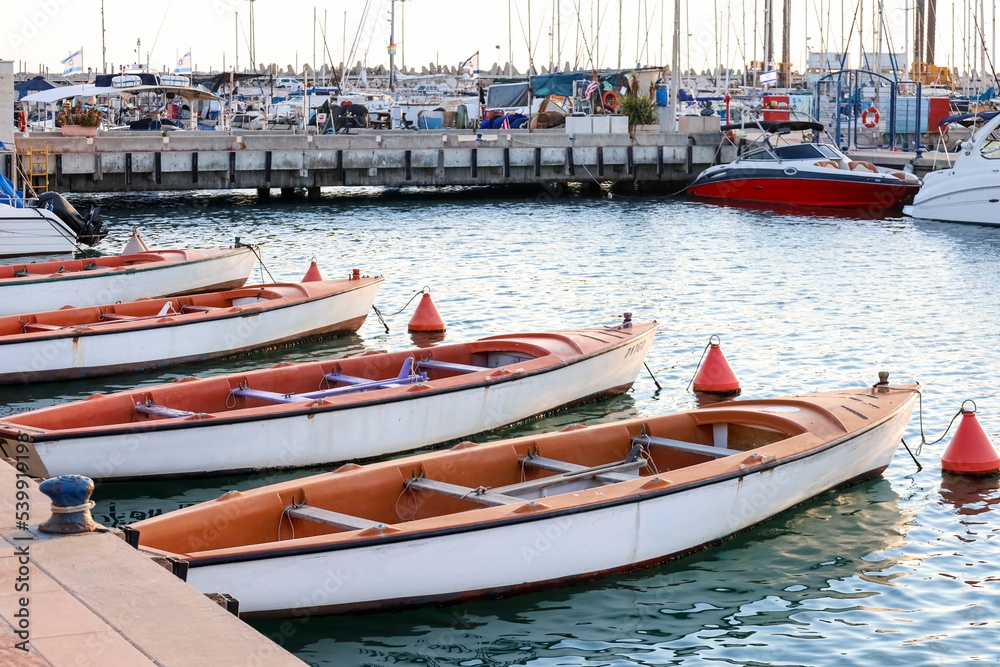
x=675 y=70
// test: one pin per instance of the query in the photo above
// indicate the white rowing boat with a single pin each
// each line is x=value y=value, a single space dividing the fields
x=536 y=511
x=296 y=415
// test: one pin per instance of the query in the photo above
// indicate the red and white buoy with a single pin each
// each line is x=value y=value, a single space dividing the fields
x=970 y=451
x=715 y=375
x=312 y=275
x=426 y=318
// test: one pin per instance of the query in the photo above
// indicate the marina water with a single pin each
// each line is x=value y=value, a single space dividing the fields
x=899 y=570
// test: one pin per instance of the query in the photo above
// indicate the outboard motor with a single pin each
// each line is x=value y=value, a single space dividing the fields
x=89 y=230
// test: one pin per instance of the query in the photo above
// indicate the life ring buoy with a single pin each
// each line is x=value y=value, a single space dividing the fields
x=610 y=99
x=869 y=117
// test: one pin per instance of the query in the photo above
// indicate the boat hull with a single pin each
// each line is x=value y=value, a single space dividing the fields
x=206 y=271
x=319 y=433
x=526 y=552
x=959 y=196
x=102 y=351
x=33 y=231
x=806 y=191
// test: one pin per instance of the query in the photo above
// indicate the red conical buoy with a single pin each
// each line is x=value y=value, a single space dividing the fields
x=970 y=451
x=715 y=375
x=426 y=317
x=312 y=275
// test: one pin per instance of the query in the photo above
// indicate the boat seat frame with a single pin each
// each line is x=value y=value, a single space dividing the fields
x=566 y=467
x=198 y=309
x=690 y=447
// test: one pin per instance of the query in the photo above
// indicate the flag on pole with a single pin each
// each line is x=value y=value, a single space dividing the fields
x=769 y=77
x=591 y=88
x=74 y=63
x=471 y=66
x=184 y=64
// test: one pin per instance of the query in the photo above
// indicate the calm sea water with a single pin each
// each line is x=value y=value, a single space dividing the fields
x=901 y=570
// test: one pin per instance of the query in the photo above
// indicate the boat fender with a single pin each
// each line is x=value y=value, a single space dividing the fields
x=610 y=99
x=22 y=121
x=869 y=117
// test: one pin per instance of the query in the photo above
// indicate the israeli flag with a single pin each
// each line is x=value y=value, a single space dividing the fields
x=74 y=63
x=184 y=64
x=470 y=67
x=770 y=77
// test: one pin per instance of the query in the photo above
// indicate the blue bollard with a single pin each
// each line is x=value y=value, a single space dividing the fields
x=71 y=505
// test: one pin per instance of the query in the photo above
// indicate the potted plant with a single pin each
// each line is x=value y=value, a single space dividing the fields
x=79 y=122
x=641 y=110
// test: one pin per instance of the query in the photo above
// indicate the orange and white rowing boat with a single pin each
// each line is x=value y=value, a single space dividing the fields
x=152 y=333
x=29 y=288
x=536 y=511
x=295 y=415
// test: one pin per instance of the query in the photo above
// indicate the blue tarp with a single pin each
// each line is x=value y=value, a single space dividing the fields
x=516 y=121
x=561 y=83
x=8 y=195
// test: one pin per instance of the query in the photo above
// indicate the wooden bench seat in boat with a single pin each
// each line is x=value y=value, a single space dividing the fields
x=112 y=317
x=36 y=326
x=449 y=366
x=679 y=445
x=609 y=473
x=483 y=496
x=576 y=474
x=565 y=467
x=354 y=384
x=329 y=517
x=161 y=411
x=198 y=309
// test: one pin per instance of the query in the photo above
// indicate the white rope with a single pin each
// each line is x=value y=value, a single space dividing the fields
x=56 y=509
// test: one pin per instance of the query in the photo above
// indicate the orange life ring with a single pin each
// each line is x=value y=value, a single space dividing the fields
x=869 y=118
x=610 y=99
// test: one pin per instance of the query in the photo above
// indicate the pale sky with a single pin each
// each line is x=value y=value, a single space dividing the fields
x=46 y=31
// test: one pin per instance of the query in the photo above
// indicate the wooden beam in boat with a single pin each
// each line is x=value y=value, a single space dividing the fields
x=566 y=467
x=569 y=477
x=484 y=497
x=161 y=411
x=448 y=366
x=329 y=517
x=717 y=452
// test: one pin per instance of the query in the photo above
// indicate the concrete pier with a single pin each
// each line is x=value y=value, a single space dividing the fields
x=143 y=161
x=93 y=600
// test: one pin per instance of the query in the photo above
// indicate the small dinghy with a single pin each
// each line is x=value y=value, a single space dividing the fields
x=31 y=288
x=296 y=415
x=153 y=333
x=536 y=511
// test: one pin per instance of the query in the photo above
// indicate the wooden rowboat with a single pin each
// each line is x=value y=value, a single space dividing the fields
x=153 y=333
x=29 y=288
x=295 y=415
x=484 y=520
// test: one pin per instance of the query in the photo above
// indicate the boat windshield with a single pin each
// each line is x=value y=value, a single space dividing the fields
x=990 y=148
x=796 y=152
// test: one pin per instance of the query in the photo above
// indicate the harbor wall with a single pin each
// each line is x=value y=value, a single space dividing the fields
x=132 y=161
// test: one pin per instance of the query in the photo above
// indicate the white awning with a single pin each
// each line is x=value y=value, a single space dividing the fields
x=65 y=92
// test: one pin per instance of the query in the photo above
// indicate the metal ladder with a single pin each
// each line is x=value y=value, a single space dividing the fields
x=38 y=168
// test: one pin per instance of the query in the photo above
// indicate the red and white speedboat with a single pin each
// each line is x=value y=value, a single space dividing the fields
x=805 y=174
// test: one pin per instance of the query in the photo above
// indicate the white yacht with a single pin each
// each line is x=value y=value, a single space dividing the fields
x=970 y=190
